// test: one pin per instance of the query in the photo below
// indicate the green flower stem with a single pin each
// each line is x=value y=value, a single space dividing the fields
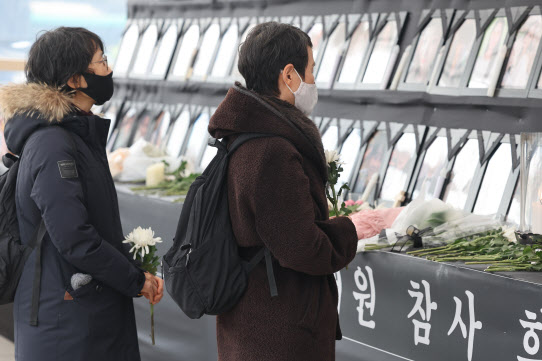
x=376 y=247
x=445 y=253
x=425 y=250
x=511 y=261
x=335 y=200
x=454 y=259
x=490 y=248
x=481 y=239
x=152 y=324
x=433 y=252
x=508 y=269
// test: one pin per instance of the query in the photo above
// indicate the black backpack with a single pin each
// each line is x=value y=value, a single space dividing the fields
x=204 y=273
x=13 y=254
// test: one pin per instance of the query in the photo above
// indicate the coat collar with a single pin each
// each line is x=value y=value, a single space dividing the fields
x=244 y=111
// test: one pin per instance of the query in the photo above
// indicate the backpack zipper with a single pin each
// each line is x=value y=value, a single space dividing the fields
x=188 y=256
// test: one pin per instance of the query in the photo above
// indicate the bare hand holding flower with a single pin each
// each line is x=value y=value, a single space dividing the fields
x=150 y=288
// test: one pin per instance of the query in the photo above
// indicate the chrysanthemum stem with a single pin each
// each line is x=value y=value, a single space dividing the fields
x=152 y=324
x=335 y=200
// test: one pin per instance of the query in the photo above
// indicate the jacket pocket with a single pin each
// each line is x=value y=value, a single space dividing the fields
x=105 y=308
x=87 y=295
x=72 y=331
x=84 y=290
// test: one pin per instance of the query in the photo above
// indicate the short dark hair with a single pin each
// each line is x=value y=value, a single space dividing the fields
x=59 y=54
x=268 y=48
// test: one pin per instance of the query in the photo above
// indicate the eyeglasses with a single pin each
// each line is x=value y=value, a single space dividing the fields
x=103 y=61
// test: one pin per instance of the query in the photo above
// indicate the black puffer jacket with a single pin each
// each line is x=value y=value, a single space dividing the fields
x=70 y=186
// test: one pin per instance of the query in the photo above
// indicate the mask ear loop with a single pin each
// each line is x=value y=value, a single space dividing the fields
x=281 y=71
x=299 y=76
x=290 y=89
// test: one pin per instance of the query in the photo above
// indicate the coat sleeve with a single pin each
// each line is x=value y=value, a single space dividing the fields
x=285 y=217
x=60 y=201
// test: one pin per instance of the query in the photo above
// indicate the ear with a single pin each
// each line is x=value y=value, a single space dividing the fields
x=288 y=72
x=74 y=82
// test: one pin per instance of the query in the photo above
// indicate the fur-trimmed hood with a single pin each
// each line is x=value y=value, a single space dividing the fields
x=28 y=107
x=32 y=99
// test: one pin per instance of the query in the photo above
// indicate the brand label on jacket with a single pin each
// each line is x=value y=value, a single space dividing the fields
x=67 y=169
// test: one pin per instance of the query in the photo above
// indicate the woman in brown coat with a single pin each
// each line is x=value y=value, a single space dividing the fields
x=276 y=190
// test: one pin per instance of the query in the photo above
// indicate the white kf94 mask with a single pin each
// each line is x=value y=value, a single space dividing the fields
x=306 y=96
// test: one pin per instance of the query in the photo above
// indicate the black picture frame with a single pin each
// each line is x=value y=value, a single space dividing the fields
x=467 y=76
x=141 y=26
x=519 y=16
x=223 y=26
x=168 y=24
x=202 y=24
x=482 y=19
x=159 y=24
x=445 y=18
x=239 y=23
x=353 y=21
x=399 y=18
x=393 y=140
x=331 y=24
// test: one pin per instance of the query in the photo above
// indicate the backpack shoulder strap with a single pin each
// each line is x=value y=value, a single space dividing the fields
x=244 y=138
x=248 y=136
x=37 y=239
x=264 y=253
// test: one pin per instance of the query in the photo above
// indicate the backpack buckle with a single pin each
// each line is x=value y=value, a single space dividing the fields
x=9 y=159
x=187 y=246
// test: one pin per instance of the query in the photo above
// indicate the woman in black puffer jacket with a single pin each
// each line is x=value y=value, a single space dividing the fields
x=64 y=179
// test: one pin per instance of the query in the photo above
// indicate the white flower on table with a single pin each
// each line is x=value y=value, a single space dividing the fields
x=142 y=238
x=510 y=234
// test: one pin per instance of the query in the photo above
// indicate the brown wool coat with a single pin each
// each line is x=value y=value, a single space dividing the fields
x=276 y=190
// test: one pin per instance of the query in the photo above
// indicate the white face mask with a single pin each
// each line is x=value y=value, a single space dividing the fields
x=306 y=96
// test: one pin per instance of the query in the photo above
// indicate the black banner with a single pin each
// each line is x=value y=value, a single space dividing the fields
x=413 y=309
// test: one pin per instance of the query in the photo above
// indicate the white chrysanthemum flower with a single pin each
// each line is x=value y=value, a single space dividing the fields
x=141 y=238
x=332 y=156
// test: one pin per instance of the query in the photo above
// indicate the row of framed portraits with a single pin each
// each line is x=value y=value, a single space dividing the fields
x=181 y=130
x=477 y=171
x=455 y=52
